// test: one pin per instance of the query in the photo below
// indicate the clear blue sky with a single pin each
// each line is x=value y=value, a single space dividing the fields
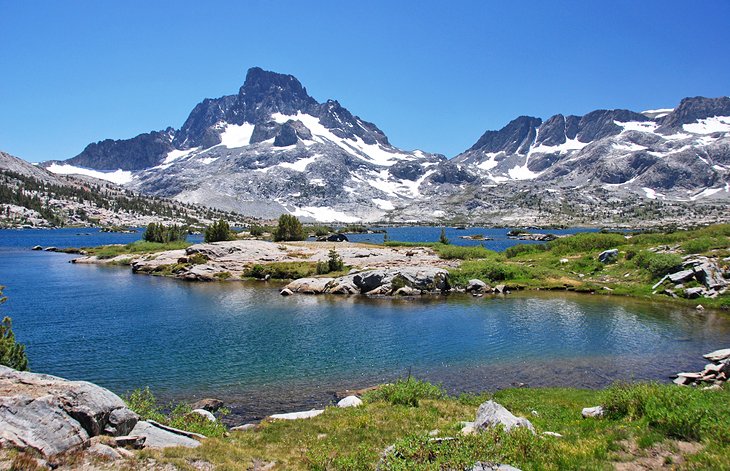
x=432 y=75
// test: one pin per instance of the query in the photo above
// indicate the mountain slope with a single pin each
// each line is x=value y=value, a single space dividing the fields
x=33 y=196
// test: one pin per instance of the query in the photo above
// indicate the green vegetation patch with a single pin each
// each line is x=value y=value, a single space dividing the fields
x=428 y=436
x=138 y=247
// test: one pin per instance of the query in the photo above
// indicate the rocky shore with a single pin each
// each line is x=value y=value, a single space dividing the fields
x=231 y=259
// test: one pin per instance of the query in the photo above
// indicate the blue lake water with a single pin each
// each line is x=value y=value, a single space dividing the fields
x=265 y=353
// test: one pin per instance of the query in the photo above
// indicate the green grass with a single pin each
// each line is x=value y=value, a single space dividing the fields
x=178 y=415
x=572 y=262
x=138 y=247
x=287 y=270
x=354 y=439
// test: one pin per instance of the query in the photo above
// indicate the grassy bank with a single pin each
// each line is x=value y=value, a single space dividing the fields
x=572 y=262
x=654 y=425
x=134 y=248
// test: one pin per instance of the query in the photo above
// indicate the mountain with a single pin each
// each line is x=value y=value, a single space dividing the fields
x=271 y=149
x=268 y=150
x=682 y=153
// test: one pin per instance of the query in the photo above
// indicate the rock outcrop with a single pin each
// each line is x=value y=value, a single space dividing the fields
x=713 y=375
x=708 y=272
x=387 y=281
x=52 y=415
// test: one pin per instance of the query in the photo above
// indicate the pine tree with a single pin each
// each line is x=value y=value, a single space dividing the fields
x=12 y=354
x=289 y=228
x=218 y=231
x=442 y=237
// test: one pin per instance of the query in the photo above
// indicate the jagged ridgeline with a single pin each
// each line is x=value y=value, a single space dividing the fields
x=272 y=149
x=32 y=196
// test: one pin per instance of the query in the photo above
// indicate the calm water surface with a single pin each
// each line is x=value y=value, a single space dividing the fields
x=265 y=353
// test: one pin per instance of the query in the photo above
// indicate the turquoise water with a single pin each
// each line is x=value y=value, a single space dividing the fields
x=265 y=353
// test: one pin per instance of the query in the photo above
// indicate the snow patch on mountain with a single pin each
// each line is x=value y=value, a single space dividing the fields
x=120 y=177
x=176 y=154
x=709 y=125
x=372 y=153
x=236 y=135
x=567 y=146
x=641 y=126
x=383 y=204
x=324 y=214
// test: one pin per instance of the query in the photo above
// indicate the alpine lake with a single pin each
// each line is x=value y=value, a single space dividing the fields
x=263 y=353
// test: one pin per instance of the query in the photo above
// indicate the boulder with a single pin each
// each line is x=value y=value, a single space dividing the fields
x=500 y=289
x=210 y=404
x=104 y=451
x=308 y=285
x=37 y=247
x=710 y=275
x=350 y=401
x=608 y=256
x=52 y=415
x=204 y=413
x=286 y=292
x=333 y=238
x=297 y=415
x=156 y=437
x=491 y=414
x=476 y=285
x=693 y=293
x=596 y=411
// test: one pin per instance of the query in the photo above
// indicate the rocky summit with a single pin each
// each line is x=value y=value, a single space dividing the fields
x=272 y=149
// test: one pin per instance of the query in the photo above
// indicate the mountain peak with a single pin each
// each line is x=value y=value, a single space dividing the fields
x=263 y=82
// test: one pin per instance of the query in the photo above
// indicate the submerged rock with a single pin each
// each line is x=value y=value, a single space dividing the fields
x=386 y=281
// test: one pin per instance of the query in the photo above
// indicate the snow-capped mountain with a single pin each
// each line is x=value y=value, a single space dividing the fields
x=267 y=150
x=271 y=148
x=681 y=153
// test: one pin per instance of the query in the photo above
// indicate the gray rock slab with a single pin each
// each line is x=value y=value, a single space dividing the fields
x=158 y=438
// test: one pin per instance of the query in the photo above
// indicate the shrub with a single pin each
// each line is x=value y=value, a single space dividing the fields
x=524 y=249
x=333 y=263
x=585 y=242
x=289 y=228
x=198 y=258
x=406 y=392
x=218 y=231
x=442 y=238
x=703 y=244
x=281 y=270
x=256 y=230
x=657 y=264
x=158 y=232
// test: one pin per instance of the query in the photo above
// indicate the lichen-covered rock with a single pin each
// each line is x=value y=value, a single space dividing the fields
x=52 y=415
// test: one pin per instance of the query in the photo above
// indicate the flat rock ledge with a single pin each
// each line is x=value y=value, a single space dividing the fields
x=406 y=281
x=713 y=375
